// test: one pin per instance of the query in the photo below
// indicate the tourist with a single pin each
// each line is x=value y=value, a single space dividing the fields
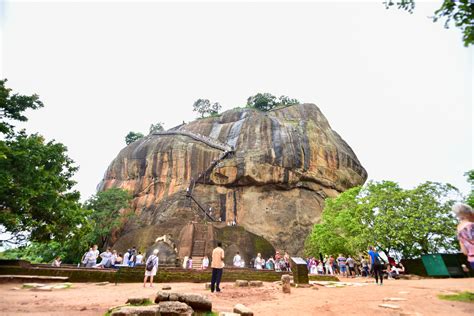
x=286 y=258
x=126 y=257
x=365 y=267
x=351 y=265
x=56 y=262
x=118 y=260
x=259 y=262
x=236 y=260
x=151 y=267
x=84 y=258
x=133 y=257
x=277 y=261
x=341 y=261
x=190 y=263
x=320 y=267
x=106 y=261
x=377 y=265
x=465 y=230
x=205 y=263
x=328 y=265
x=139 y=259
x=185 y=262
x=333 y=264
x=217 y=266
x=91 y=257
x=270 y=265
x=313 y=266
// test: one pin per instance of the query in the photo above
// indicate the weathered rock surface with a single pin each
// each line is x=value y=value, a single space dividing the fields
x=243 y=310
x=153 y=310
x=196 y=301
x=285 y=283
x=175 y=308
x=241 y=283
x=286 y=162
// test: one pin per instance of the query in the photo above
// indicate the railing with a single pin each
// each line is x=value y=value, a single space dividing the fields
x=207 y=140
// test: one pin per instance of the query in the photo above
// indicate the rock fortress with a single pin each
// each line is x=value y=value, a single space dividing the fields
x=254 y=180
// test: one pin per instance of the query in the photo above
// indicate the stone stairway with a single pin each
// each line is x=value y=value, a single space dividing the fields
x=199 y=244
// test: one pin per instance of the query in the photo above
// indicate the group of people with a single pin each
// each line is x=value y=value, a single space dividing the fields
x=111 y=258
x=279 y=263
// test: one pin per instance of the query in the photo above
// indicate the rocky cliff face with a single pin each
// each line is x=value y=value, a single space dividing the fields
x=284 y=164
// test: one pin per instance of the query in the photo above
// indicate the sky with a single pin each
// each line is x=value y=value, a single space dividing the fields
x=396 y=86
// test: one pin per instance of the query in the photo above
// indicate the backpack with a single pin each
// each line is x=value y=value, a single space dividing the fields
x=150 y=264
x=379 y=258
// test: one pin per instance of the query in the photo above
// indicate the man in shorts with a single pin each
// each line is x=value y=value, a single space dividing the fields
x=341 y=261
x=351 y=265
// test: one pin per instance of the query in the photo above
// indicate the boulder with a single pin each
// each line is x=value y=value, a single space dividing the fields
x=241 y=283
x=256 y=283
x=152 y=310
x=285 y=161
x=175 y=308
x=242 y=310
x=196 y=301
x=207 y=286
x=162 y=296
x=285 y=283
x=166 y=287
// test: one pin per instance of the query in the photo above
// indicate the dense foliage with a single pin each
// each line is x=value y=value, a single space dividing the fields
x=132 y=137
x=470 y=179
x=205 y=108
x=267 y=101
x=408 y=223
x=109 y=211
x=37 y=200
x=155 y=128
x=460 y=12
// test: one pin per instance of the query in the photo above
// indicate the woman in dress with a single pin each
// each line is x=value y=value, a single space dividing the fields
x=151 y=267
x=465 y=230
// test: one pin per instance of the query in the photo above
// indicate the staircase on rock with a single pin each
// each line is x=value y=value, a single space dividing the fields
x=200 y=236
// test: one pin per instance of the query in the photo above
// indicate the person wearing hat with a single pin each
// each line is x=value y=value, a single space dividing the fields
x=151 y=267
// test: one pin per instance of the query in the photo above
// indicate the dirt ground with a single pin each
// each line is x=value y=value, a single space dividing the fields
x=90 y=299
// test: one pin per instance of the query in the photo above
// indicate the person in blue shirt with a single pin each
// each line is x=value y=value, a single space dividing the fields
x=376 y=265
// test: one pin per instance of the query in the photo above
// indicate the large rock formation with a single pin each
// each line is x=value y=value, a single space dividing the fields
x=284 y=164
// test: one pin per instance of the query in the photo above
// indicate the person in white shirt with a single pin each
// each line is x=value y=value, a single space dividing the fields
x=205 y=263
x=139 y=259
x=259 y=262
x=126 y=256
x=237 y=259
x=152 y=262
x=91 y=257
x=106 y=261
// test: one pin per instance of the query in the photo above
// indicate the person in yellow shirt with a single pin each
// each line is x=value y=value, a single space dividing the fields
x=217 y=265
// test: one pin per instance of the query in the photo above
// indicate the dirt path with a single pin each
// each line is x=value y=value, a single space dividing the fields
x=91 y=299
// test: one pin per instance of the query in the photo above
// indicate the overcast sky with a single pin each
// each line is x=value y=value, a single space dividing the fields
x=397 y=87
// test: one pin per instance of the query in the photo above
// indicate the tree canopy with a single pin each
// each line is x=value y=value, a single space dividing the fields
x=405 y=222
x=205 y=108
x=267 y=101
x=37 y=200
x=132 y=137
x=470 y=180
x=155 y=128
x=459 y=12
x=109 y=211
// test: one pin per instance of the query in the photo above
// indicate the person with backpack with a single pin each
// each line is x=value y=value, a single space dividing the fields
x=377 y=264
x=151 y=267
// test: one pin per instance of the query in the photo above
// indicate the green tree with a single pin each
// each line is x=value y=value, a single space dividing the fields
x=406 y=222
x=460 y=12
x=12 y=107
x=132 y=137
x=205 y=108
x=470 y=180
x=37 y=200
x=155 y=128
x=109 y=211
x=267 y=101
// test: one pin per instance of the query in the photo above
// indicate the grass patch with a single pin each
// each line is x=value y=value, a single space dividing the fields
x=143 y=303
x=466 y=296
